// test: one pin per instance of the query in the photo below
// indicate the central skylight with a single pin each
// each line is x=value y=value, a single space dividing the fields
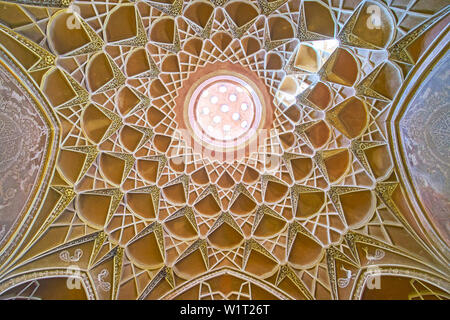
x=224 y=111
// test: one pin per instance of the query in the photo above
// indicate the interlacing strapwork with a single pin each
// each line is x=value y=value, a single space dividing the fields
x=142 y=203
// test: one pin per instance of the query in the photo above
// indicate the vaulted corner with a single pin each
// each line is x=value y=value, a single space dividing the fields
x=419 y=127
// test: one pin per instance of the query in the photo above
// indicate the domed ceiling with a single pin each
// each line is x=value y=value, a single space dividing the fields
x=241 y=149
